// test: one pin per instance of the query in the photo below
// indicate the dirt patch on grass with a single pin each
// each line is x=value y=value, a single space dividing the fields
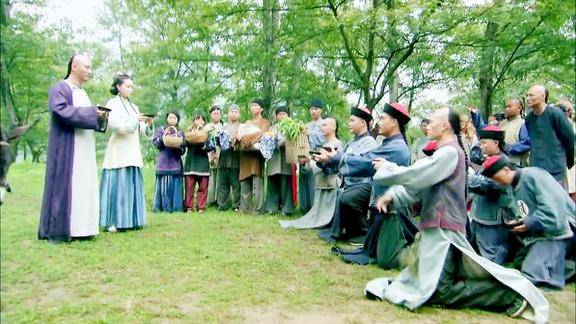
x=49 y=296
x=273 y=315
x=189 y=303
x=562 y=305
x=9 y=266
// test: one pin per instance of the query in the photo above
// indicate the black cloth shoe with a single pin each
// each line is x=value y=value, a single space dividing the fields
x=340 y=251
x=326 y=235
x=360 y=259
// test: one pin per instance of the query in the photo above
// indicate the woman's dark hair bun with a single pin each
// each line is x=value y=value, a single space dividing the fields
x=114 y=90
x=118 y=80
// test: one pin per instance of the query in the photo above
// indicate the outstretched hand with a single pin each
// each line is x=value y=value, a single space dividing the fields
x=323 y=157
x=377 y=163
x=102 y=115
x=148 y=120
x=383 y=203
x=519 y=229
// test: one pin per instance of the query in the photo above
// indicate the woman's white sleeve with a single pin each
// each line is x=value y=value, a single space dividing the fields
x=119 y=121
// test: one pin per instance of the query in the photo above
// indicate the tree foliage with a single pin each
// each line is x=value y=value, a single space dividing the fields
x=188 y=55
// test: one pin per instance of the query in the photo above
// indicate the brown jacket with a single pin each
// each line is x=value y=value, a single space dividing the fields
x=252 y=162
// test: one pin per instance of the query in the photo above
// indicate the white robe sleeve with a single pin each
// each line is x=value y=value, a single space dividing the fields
x=119 y=120
x=422 y=174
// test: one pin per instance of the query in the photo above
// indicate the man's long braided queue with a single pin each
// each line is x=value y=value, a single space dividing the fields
x=454 y=120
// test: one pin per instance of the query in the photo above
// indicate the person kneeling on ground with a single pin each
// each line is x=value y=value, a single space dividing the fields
x=546 y=212
x=447 y=271
x=492 y=204
x=354 y=197
x=395 y=230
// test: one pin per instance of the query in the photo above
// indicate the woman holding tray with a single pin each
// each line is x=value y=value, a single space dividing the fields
x=121 y=189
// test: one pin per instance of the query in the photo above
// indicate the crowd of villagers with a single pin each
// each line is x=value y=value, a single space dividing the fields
x=476 y=213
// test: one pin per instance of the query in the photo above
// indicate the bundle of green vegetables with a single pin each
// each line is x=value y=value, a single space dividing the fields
x=290 y=128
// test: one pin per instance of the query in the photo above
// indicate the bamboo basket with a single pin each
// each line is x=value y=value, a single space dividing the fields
x=298 y=147
x=196 y=135
x=172 y=137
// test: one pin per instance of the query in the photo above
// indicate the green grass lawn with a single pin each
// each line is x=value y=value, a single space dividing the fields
x=211 y=267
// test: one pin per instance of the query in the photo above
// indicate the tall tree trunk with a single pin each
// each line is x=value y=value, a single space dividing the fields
x=270 y=25
x=35 y=151
x=371 y=60
x=392 y=36
x=207 y=68
x=297 y=63
x=5 y=88
x=485 y=76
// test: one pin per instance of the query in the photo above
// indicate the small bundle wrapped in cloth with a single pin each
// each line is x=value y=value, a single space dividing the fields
x=223 y=139
x=249 y=135
x=268 y=143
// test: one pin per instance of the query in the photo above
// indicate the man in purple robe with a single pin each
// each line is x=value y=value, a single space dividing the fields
x=70 y=208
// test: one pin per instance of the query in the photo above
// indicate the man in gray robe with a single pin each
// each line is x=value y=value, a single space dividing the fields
x=306 y=183
x=446 y=271
x=354 y=197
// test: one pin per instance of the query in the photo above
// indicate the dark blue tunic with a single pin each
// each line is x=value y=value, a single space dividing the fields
x=552 y=141
x=393 y=149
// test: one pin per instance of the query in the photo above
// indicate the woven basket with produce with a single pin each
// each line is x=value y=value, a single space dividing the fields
x=296 y=139
x=196 y=135
x=172 y=137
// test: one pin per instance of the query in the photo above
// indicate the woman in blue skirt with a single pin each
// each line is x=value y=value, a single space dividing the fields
x=169 y=179
x=121 y=190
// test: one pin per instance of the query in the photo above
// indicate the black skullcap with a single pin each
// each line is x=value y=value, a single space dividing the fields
x=317 y=102
x=259 y=102
x=282 y=108
x=362 y=112
x=491 y=132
